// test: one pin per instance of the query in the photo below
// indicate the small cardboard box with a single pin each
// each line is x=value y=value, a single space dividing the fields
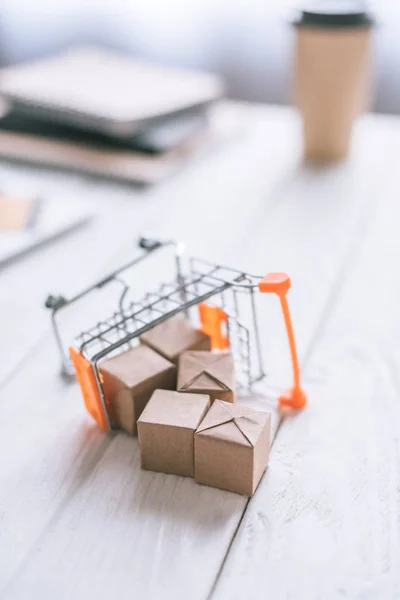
x=231 y=447
x=207 y=373
x=174 y=336
x=166 y=431
x=129 y=380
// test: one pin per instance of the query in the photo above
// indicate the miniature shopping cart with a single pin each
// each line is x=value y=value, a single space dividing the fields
x=221 y=301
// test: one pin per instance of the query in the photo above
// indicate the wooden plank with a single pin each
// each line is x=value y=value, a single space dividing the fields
x=130 y=524
x=325 y=521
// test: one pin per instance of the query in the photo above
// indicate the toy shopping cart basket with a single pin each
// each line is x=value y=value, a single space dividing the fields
x=220 y=300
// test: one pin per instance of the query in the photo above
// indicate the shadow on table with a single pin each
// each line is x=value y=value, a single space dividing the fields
x=169 y=499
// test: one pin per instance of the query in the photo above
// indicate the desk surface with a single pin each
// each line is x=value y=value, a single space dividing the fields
x=79 y=519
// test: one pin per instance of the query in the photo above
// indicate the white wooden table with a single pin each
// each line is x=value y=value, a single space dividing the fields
x=79 y=519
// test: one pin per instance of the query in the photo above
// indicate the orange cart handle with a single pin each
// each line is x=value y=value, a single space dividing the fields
x=279 y=284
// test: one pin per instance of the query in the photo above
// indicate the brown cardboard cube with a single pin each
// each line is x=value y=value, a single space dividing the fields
x=129 y=380
x=207 y=373
x=231 y=447
x=166 y=431
x=174 y=336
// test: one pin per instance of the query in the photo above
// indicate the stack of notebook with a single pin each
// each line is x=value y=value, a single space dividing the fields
x=100 y=112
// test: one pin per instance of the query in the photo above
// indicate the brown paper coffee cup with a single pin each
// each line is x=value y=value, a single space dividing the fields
x=332 y=77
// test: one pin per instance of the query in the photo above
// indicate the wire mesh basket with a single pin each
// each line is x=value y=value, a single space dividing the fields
x=219 y=300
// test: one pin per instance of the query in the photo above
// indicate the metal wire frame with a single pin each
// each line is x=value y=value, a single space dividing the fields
x=138 y=317
x=241 y=283
x=140 y=311
x=58 y=303
x=204 y=280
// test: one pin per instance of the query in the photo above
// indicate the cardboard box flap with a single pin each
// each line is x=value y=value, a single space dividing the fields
x=167 y=407
x=205 y=381
x=208 y=371
x=136 y=368
x=219 y=415
x=174 y=336
x=247 y=421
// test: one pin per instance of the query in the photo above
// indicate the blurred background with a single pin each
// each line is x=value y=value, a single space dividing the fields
x=247 y=42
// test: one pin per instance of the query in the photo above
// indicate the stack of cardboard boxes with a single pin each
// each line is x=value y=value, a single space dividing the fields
x=179 y=397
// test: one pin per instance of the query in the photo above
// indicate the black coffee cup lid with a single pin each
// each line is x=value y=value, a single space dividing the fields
x=335 y=13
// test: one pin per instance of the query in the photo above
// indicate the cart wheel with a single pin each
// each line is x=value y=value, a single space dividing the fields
x=148 y=244
x=55 y=302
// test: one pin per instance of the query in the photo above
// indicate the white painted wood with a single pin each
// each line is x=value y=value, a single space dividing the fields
x=59 y=410
x=325 y=523
x=77 y=515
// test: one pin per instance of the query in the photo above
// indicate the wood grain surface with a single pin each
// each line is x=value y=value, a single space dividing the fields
x=79 y=518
